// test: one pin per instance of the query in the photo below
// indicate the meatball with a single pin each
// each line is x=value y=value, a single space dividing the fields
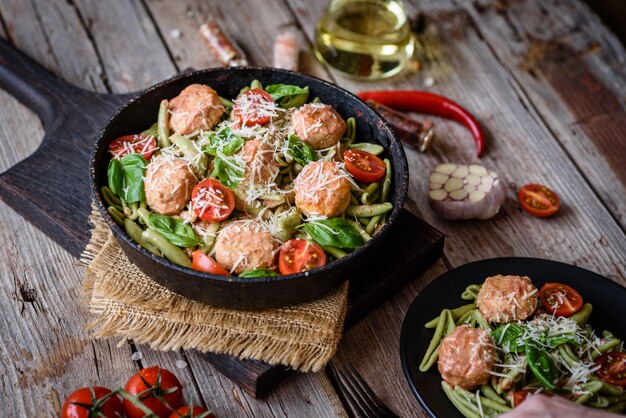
x=168 y=185
x=318 y=125
x=507 y=298
x=197 y=107
x=245 y=245
x=466 y=356
x=322 y=189
x=260 y=165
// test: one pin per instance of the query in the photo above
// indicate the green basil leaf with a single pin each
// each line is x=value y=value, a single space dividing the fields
x=175 y=230
x=335 y=232
x=509 y=337
x=564 y=338
x=287 y=95
x=224 y=141
x=228 y=171
x=134 y=167
x=259 y=273
x=300 y=151
x=115 y=174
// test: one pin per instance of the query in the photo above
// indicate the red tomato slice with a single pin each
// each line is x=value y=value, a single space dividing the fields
x=538 y=200
x=363 y=166
x=97 y=401
x=612 y=368
x=560 y=299
x=133 y=144
x=194 y=411
x=212 y=201
x=164 y=387
x=521 y=395
x=298 y=255
x=202 y=262
x=252 y=107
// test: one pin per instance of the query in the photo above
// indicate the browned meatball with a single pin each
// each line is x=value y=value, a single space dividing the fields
x=259 y=158
x=322 y=189
x=196 y=108
x=318 y=125
x=466 y=356
x=507 y=298
x=245 y=245
x=168 y=185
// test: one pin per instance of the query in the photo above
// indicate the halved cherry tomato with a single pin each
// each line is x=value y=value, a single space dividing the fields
x=560 y=299
x=250 y=109
x=298 y=255
x=202 y=262
x=92 y=402
x=521 y=395
x=365 y=167
x=612 y=368
x=162 y=385
x=212 y=201
x=133 y=144
x=196 y=411
x=538 y=200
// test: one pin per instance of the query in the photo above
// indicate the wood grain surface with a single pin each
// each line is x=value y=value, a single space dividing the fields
x=545 y=78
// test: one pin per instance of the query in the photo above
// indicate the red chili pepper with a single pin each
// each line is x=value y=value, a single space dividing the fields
x=431 y=104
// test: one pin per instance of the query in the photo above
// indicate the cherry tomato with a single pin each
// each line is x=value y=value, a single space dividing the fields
x=298 y=255
x=202 y=262
x=612 y=368
x=560 y=299
x=196 y=411
x=253 y=109
x=131 y=144
x=212 y=201
x=160 y=382
x=92 y=402
x=363 y=166
x=538 y=200
x=521 y=395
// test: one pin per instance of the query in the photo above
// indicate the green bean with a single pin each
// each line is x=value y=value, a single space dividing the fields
x=350 y=134
x=110 y=198
x=117 y=215
x=153 y=130
x=366 y=211
x=366 y=237
x=386 y=185
x=169 y=250
x=228 y=105
x=468 y=319
x=581 y=317
x=208 y=241
x=334 y=251
x=316 y=100
x=256 y=84
x=566 y=357
x=491 y=394
x=598 y=401
x=485 y=402
x=131 y=210
x=368 y=147
x=353 y=200
x=370 y=194
x=480 y=319
x=461 y=406
x=611 y=390
x=143 y=214
x=593 y=387
x=374 y=220
x=199 y=160
x=614 y=399
x=364 y=221
x=456 y=314
x=163 y=122
x=605 y=347
x=617 y=407
x=471 y=292
x=244 y=90
x=445 y=326
x=135 y=232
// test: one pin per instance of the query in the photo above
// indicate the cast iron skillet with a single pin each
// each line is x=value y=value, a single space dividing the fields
x=606 y=296
x=235 y=292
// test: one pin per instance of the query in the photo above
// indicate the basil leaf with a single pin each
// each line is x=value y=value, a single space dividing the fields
x=300 y=151
x=134 y=167
x=287 y=95
x=115 y=174
x=175 y=230
x=335 y=232
x=225 y=141
x=542 y=366
x=509 y=337
x=258 y=273
x=228 y=171
x=566 y=337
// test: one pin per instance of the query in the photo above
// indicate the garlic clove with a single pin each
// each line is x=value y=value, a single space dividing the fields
x=446 y=168
x=439 y=178
x=484 y=187
x=437 y=194
x=472 y=180
x=459 y=194
x=479 y=170
x=453 y=184
x=476 y=196
x=435 y=186
x=469 y=188
x=460 y=172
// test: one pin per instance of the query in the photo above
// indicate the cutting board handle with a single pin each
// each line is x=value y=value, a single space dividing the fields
x=31 y=83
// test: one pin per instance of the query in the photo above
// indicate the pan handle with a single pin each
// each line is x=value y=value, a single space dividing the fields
x=32 y=84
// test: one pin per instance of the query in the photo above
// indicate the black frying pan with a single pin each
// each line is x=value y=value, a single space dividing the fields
x=235 y=292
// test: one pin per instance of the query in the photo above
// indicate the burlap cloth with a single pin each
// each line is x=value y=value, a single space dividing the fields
x=129 y=305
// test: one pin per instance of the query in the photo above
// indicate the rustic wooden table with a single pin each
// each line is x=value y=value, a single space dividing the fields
x=546 y=79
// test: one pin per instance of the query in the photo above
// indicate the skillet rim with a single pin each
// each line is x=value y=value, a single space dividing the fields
x=400 y=184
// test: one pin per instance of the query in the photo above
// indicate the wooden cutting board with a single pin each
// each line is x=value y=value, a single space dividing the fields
x=51 y=190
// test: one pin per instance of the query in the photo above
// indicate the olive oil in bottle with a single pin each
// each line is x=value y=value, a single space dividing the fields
x=365 y=39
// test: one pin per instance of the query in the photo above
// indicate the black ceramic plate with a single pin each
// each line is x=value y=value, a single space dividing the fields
x=607 y=297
